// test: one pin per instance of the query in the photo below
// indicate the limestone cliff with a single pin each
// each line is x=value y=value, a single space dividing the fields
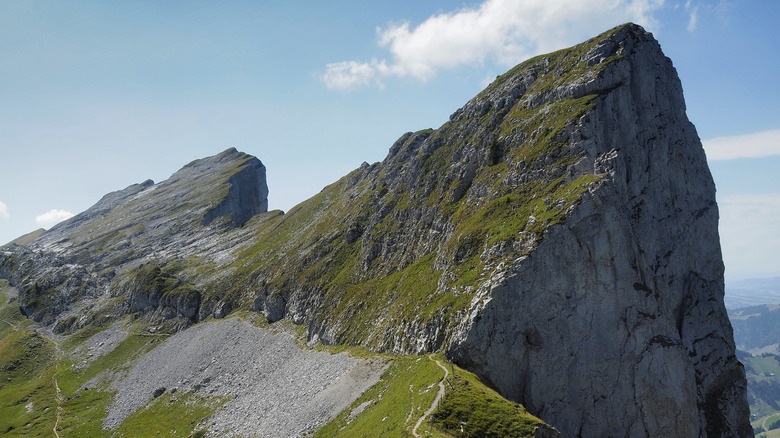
x=557 y=236
x=83 y=263
x=631 y=282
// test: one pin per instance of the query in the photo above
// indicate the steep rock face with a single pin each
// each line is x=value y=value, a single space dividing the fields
x=615 y=324
x=247 y=197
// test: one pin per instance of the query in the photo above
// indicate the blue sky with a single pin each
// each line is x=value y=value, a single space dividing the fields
x=100 y=95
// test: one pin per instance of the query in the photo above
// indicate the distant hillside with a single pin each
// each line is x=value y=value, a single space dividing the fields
x=751 y=292
x=27 y=238
x=763 y=375
x=757 y=328
x=757 y=336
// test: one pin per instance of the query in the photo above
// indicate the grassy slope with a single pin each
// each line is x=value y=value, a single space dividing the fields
x=763 y=374
x=27 y=391
x=27 y=238
x=484 y=412
x=392 y=407
x=28 y=402
x=30 y=364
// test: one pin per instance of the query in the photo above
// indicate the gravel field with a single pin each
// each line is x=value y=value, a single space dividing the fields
x=276 y=389
x=101 y=343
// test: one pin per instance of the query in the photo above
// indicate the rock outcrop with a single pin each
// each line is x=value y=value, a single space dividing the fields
x=557 y=236
x=631 y=282
x=248 y=194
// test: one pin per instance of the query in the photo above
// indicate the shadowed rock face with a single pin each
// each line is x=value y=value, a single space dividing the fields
x=557 y=236
x=248 y=194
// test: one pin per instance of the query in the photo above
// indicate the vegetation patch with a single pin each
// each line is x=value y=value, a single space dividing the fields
x=392 y=406
x=470 y=408
x=27 y=393
x=169 y=415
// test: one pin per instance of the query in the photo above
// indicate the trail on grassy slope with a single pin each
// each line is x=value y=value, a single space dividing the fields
x=435 y=402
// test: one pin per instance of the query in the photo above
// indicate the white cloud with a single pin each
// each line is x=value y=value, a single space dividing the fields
x=749 y=235
x=52 y=218
x=755 y=145
x=350 y=74
x=694 y=19
x=4 y=214
x=503 y=31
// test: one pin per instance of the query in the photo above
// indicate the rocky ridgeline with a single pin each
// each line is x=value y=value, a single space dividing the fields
x=557 y=236
x=93 y=260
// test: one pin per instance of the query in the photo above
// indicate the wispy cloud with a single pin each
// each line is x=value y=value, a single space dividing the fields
x=52 y=218
x=4 y=214
x=748 y=231
x=693 y=18
x=503 y=31
x=755 y=145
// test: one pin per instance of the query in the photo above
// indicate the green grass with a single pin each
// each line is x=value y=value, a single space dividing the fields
x=170 y=415
x=408 y=387
x=27 y=406
x=763 y=375
x=392 y=406
x=26 y=370
x=484 y=411
x=766 y=365
x=10 y=316
x=29 y=366
x=764 y=423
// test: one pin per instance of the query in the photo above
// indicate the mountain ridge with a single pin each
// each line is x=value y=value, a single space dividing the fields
x=561 y=220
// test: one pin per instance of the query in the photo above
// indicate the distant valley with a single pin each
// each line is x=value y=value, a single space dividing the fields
x=757 y=337
x=752 y=292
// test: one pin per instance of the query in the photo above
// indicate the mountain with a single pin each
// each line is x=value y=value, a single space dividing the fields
x=557 y=237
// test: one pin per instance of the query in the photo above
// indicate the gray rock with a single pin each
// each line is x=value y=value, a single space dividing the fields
x=615 y=324
x=274 y=388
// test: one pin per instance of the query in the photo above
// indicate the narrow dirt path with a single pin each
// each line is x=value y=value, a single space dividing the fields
x=11 y=324
x=439 y=395
x=59 y=398
x=59 y=408
x=58 y=355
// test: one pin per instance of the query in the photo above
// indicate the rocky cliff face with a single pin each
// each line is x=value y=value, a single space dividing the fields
x=94 y=260
x=557 y=236
x=631 y=282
